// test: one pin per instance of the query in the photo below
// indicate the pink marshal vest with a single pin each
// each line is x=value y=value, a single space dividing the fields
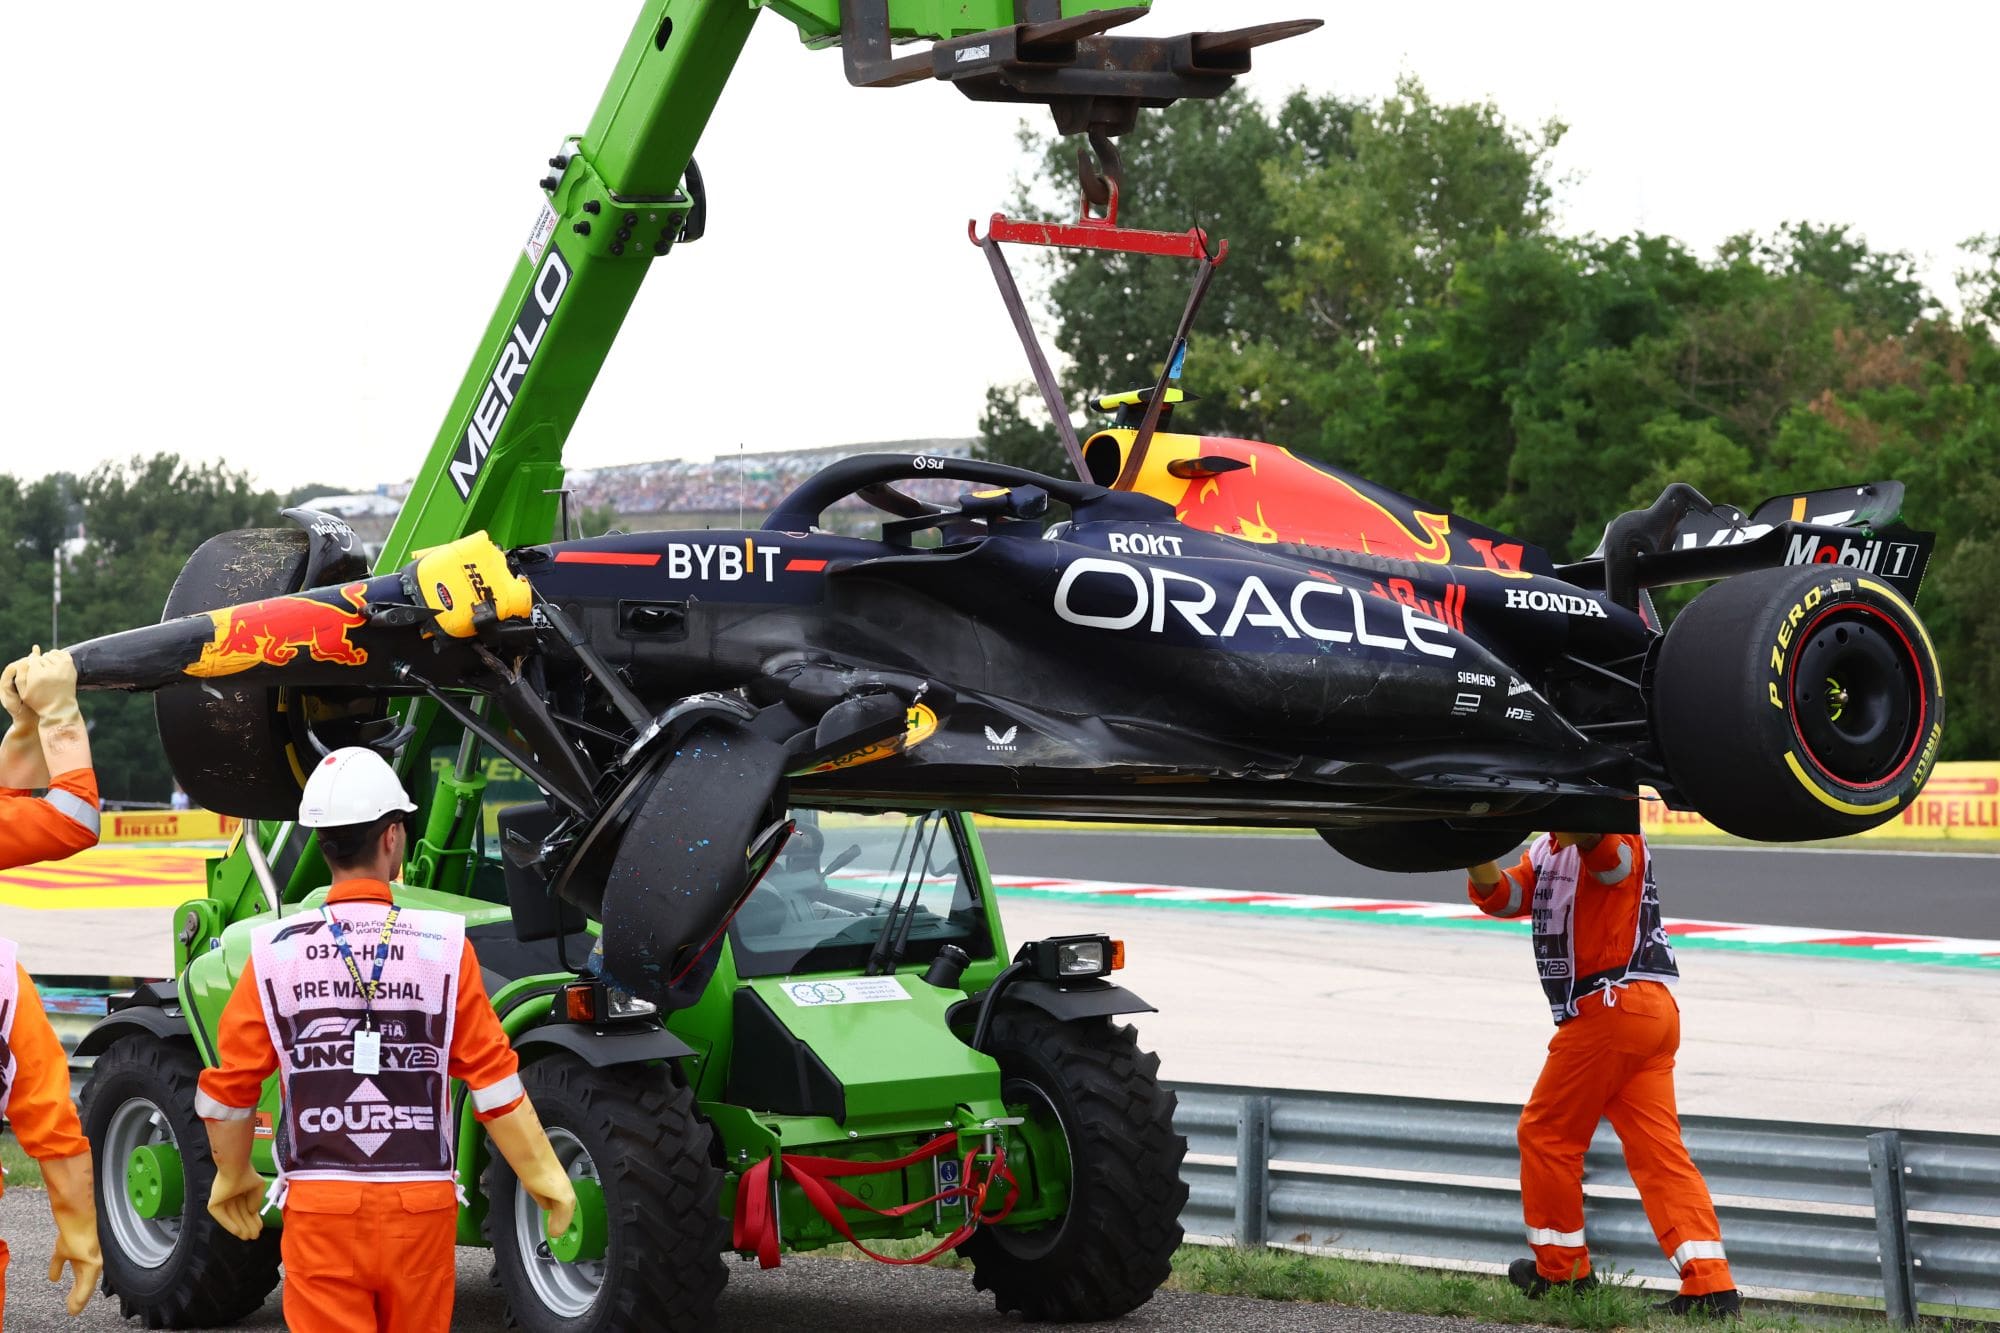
x=338 y=1124
x=10 y=1002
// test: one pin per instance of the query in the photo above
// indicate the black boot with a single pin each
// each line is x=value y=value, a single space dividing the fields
x=1522 y=1273
x=1713 y=1305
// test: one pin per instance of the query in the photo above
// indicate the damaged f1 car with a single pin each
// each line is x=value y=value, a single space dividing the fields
x=1218 y=632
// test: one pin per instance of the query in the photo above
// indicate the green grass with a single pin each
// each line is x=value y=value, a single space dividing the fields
x=1285 y=1275
x=23 y=1172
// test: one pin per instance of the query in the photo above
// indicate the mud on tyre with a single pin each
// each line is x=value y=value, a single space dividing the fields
x=1113 y=1246
x=1798 y=703
x=633 y=1133
x=179 y=1269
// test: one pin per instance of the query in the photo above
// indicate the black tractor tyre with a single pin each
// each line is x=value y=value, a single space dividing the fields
x=1114 y=1245
x=236 y=750
x=651 y=1154
x=1798 y=703
x=203 y=1277
x=1421 y=846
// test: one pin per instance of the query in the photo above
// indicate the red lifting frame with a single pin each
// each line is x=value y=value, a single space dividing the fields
x=1092 y=233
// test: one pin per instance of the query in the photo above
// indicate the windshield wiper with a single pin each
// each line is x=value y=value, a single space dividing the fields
x=895 y=937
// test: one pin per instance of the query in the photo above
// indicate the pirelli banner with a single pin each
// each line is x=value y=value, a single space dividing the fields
x=1962 y=800
x=167 y=826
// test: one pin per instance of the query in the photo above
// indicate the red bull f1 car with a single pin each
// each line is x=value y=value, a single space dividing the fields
x=1218 y=632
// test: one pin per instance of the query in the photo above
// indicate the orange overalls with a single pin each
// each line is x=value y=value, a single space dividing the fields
x=37 y=1102
x=37 y=1099
x=1605 y=964
x=359 y=1255
x=47 y=828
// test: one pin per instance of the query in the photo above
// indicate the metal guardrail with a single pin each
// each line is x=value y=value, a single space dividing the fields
x=1898 y=1216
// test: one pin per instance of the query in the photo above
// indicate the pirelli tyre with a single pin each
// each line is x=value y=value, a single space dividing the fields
x=646 y=1255
x=1798 y=703
x=234 y=748
x=1420 y=846
x=168 y=1263
x=1093 y=1108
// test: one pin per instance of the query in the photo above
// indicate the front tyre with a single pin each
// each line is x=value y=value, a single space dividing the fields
x=652 y=1234
x=1798 y=703
x=1088 y=1087
x=167 y=1261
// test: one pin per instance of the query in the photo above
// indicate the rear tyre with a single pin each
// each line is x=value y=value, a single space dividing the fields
x=634 y=1131
x=1420 y=846
x=235 y=750
x=1089 y=1084
x=1798 y=703
x=171 y=1271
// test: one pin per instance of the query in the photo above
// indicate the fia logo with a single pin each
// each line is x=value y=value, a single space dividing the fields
x=1001 y=740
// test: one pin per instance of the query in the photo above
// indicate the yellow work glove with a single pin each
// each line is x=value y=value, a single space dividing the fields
x=21 y=763
x=519 y=1138
x=47 y=684
x=74 y=1204
x=236 y=1200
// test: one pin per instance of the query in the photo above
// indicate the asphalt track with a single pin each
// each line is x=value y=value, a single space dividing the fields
x=1951 y=893
x=799 y=1296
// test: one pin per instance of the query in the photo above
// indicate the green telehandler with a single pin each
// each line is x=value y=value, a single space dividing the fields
x=868 y=1061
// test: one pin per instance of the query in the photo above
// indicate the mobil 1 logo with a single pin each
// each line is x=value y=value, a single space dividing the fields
x=510 y=367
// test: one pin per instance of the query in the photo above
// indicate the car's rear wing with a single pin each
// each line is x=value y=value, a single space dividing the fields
x=1682 y=538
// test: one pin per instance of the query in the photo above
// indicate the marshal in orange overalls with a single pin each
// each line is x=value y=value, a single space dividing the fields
x=361 y=1255
x=45 y=731
x=1605 y=964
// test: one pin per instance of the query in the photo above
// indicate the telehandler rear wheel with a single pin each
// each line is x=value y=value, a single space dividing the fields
x=646 y=1252
x=1089 y=1087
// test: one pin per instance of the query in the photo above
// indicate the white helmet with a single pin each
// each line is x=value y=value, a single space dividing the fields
x=352 y=786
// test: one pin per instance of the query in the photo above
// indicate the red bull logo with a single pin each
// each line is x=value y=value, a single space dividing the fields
x=1448 y=606
x=273 y=631
x=1281 y=497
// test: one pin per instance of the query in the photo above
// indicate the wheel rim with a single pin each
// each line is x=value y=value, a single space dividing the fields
x=565 y=1290
x=136 y=1125
x=1857 y=696
x=1038 y=1110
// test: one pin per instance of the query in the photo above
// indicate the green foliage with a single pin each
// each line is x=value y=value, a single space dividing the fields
x=1007 y=435
x=139 y=521
x=1398 y=300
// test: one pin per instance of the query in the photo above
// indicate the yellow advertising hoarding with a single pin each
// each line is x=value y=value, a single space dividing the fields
x=1962 y=800
x=166 y=826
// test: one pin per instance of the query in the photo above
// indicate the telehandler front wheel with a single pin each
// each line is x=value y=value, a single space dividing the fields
x=646 y=1250
x=1087 y=1092
x=167 y=1261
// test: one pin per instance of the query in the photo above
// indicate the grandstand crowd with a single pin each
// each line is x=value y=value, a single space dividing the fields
x=753 y=482
x=683 y=492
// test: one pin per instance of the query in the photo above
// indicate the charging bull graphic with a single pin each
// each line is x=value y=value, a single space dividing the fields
x=271 y=633
x=1281 y=497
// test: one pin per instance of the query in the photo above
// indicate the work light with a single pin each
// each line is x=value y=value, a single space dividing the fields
x=1073 y=957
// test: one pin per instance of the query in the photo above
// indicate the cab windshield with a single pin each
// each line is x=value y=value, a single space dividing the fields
x=851 y=889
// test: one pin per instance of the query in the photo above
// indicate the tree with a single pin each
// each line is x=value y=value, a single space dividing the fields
x=140 y=519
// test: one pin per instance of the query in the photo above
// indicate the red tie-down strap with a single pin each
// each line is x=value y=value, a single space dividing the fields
x=756 y=1224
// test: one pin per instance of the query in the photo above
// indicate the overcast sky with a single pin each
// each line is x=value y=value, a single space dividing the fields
x=273 y=233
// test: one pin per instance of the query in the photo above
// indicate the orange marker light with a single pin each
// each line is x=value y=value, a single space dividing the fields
x=580 y=1004
x=1117 y=954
